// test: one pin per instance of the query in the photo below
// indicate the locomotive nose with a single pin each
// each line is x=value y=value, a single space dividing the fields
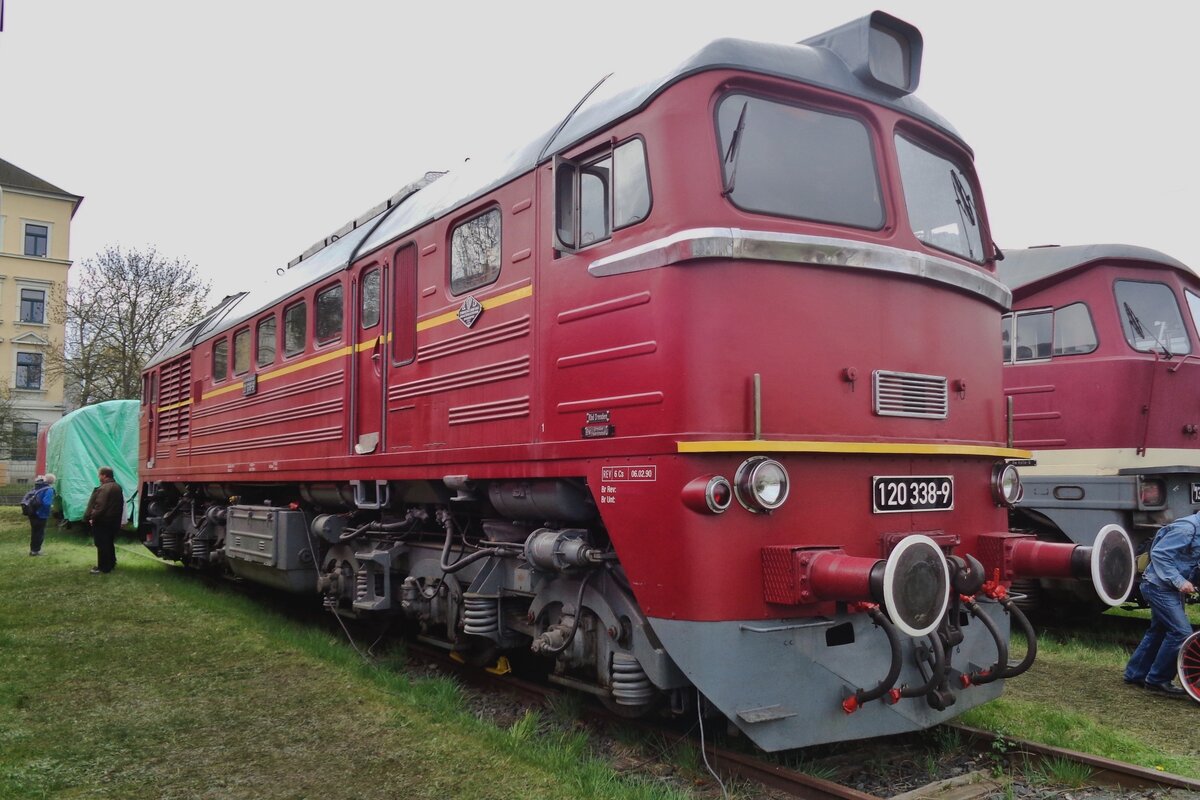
x=1108 y=562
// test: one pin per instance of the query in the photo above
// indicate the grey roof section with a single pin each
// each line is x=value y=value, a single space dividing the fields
x=816 y=66
x=804 y=63
x=1020 y=268
x=13 y=177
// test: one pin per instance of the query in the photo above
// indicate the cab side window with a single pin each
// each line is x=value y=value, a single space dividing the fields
x=241 y=352
x=266 y=341
x=475 y=252
x=329 y=315
x=295 y=329
x=220 y=360
x=595 y=196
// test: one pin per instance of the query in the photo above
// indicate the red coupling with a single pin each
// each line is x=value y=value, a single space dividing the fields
x=965 y=680
x=893 y=697
x=850 y=704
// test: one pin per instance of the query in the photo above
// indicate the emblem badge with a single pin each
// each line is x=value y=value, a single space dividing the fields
x=469 y=311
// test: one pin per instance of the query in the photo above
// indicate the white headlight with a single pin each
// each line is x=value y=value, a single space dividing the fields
x=761 y=484
x=1006 y=484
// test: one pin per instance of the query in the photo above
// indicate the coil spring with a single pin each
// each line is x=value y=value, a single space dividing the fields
x=168 y=542
x=630 y=685
x=362 y=581
x=200 y=551
x=481 y=615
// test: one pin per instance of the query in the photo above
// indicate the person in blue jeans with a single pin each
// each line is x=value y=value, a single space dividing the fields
x=1166 y=583
x=43 y=487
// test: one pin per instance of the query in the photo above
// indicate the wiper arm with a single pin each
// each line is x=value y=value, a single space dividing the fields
x=731 y=153
x=1140 y=330
x=966 y=209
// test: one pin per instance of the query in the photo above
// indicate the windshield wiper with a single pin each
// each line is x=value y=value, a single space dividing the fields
x=731 y=154
x=966 y=209
x=1141 y=331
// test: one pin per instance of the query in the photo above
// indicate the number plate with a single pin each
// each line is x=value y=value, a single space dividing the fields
x=894 y=494
x=1196 y=494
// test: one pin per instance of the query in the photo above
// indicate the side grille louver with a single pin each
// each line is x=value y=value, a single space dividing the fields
x=905 y=394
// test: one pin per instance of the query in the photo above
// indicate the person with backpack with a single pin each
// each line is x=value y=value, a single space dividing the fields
x=1167 y=581
x=36 y=506
x=103 y=514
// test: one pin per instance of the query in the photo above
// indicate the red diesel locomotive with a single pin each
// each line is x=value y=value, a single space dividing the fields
x=1102 y=370
x=697 y=396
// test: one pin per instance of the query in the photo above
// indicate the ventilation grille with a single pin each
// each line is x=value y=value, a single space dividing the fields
x=174 y=416
x=904 y=394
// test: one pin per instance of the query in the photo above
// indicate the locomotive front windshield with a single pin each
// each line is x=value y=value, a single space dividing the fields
x=1151 y=319
x=940 y=201
x=795 y=161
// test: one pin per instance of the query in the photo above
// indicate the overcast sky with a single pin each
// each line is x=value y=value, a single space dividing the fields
x=235 y=133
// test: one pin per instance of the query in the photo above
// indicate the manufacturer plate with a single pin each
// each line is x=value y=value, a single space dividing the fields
x=898 y=493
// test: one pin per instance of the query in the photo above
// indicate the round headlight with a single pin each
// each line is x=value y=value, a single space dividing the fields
x=761 y=484
x=1006 y=484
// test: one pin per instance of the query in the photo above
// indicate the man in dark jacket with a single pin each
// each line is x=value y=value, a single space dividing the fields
x=104 y=511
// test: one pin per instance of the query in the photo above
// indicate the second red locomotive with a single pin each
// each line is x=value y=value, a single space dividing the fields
x=697 y=396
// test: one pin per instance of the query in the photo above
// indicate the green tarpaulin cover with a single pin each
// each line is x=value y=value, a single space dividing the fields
x=101 y=435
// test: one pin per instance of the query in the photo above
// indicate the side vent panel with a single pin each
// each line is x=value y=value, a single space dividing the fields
x=906 y=394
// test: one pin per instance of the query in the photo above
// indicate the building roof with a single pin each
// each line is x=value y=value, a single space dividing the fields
x=1020 y=268
x=13 y=177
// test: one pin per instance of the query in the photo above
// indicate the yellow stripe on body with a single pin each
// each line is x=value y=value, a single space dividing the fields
x=174 y=406
x=441 y=319
x=491 y=302
x=857 y=448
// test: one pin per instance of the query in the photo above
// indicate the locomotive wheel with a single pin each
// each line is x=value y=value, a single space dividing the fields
x=1189 y=665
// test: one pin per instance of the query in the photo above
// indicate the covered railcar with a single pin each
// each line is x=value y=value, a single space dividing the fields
x=1102 y=368
x=697 y=396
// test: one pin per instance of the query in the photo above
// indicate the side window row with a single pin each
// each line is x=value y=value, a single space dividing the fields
x=1043 y=333
x=327 y=326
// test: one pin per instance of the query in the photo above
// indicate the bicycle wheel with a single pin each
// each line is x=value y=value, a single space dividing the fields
x=1189 y=665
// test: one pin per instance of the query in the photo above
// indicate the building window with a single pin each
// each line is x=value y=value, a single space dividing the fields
x=33 y=305
x=295 y=329
x=37 y=239
x=475 y=253
x=24 y=442
x=29 y=371
x=266 y=341
x=329 y=315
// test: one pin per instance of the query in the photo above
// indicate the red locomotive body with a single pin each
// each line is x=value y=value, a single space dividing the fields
x=677 y=397
x=1101 y=365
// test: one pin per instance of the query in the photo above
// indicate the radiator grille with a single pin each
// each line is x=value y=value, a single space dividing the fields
x=174 y=392
x=905 y=394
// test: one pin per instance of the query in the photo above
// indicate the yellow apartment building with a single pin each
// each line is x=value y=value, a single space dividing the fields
x=35 y=236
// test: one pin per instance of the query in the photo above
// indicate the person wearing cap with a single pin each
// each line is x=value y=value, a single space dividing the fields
x=43 y=487
x=1167 y=581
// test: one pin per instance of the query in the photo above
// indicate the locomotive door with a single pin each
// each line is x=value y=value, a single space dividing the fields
x=370 y=362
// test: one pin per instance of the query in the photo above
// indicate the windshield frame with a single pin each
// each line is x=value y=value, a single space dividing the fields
x=966 y=168
x=865 y=121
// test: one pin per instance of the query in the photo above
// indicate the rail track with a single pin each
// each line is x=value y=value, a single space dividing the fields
x=998 y=760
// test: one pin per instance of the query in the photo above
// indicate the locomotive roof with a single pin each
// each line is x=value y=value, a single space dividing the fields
x=1020 y=268
x=812 y=62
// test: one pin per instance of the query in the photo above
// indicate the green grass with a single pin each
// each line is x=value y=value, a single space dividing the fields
x=151 y=683
x=1074 y=697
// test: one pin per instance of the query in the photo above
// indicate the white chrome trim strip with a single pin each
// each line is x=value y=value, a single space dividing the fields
x=697 y=243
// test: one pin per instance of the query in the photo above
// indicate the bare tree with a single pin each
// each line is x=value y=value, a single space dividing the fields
x=120 y=310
